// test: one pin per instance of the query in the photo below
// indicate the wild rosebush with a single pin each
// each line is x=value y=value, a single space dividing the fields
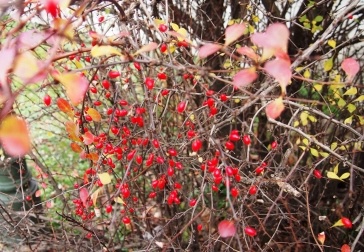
x=170 y=151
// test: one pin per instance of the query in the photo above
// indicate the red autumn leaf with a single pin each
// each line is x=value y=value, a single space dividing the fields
x=208 y=49
x=93 y=156
x=84 y=195
x=51 y=6
x=75 y=84
x=65 y=107
x=245 y=77
x=345 y=248
x=351 y=67
x=76 y=148
x=14 y=136
x=280 y=69
x=247 y=51
x=275 y=108
x=233 y=32
x=226 y=228
x=273 y=40
x=88 y=138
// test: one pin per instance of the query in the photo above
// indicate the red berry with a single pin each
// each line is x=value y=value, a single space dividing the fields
x=28 y=198
x=165 y=92
x=93 y=90
x=89 y=235
x=181 y=107
x=108 y=208
x=253 y=190
x=192 y=202
x=126 y=220
x=137 y=66
x=152 y=195
x=162 y=76
x=223 y=97
x=163 y=28
x=274 y=145
x=47 y=100
x=199 y=227
x=250 y=231
x=97 y=103
x=347 y=223
x=149 y=83
x=234 y=192
x=172 y=152
x=101 y=18
x=229 y=171
x=105 y=84
x=317 y=174
x=246 y=140
x=163 y=48
x=196 y=145
x=229 y=145
x=259 y=170
x=234 y=136
x=114 y=74
x=170 y=171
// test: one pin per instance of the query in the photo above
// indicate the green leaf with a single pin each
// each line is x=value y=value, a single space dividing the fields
x=351 y=91
x=332 y=175
x=318 y=18
x=328 y=64
x=341 y=103
x=314 y=152
x=345 y=175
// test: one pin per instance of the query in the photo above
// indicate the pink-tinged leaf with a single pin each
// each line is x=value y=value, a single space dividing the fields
x=50 y=204
x=275 y=38
x=75 y=84
x=38 y=193
x=233 y=32
x=208 y=49
x=226 y=228
x=14 y=136
x=245 y=77
x=84 y=195
x=275 y=108
x=321 y=237
x=345 y=248
x=351 y=67
x=6 y=62
x=247 y=51
x=88 y=138
x=280 y=69
x=30 y=39
x=147 y=48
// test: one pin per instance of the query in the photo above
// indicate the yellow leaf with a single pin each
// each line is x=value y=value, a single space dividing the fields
x=64 y=26
x=147 y=48
x=339 y=223
x=336 y=169
x=303 y=117
x=174 y=26
x=351 y=91
x=98 y=51
x=314 y=152
x=303 y=147
x=158 y=22
x=361 y=120
x=230 y=22
x=95 y=115
x=312 y=118
x=14 y=136
x=307 y=73
x=359 y=99
x=332 y=43
x=26 y=66
x=105 y=178
x=351 y=108
x=255 y=19
x=345 y=175
x=296 y=123
x=318 y=87
x=95 y=195
x=333 y=146
x=324 y=154
x=328 y=64
x=332 y=175
x=305 y=141
x=119 y=200
x=341 y=103
x=348 y=120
